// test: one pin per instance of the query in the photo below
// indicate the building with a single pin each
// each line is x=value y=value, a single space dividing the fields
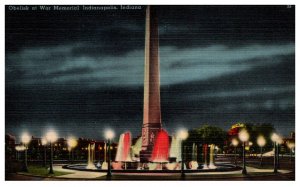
x=10 y=144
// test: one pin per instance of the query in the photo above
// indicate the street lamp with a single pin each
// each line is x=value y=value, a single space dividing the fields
x=261 y=142
x=244 y=136
x=109 y=135
x=25 y=139
x=235 y=143
x=19 y=148
x=276 y=140
x=182 y=134
x=72 y=143
x=44 y=143
x=291 y=146
x=51 y=137
x=279 y=142
x=17 y=152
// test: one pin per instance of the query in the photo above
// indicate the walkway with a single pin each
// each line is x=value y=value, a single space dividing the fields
x=78 y=174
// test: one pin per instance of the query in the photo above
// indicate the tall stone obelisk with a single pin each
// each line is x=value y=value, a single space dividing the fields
x=152 y=113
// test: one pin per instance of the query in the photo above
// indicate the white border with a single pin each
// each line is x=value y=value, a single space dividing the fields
x=141 y=2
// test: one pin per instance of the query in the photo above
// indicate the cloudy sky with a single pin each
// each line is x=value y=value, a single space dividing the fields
x=82 y=71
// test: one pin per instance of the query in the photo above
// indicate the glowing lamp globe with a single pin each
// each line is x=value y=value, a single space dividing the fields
x=20 y=148
x=182 y=134
x=280 y=140
x=25 y=138
x=291 y=145
x=109 y=134
x=235 y=142
x=51 y=136
x=72 y=142
x=243 y=135
x=17 y=148
x=261 y=141
x=275 y=137
x=44 y=141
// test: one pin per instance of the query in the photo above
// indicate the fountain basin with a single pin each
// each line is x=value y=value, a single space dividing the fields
x=220 y=168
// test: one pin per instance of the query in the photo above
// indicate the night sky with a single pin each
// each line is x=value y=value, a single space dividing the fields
x=82 y=71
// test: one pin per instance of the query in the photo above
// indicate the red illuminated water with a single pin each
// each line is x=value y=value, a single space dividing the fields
x=161 y=147
x=127 y=144
x=123 y=151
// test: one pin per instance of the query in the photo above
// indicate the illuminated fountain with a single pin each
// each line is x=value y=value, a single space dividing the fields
x=175 y=153
x=104 y=164
x=194 y=164
x=91 y=157
x=123 y=151
x=205 y=148
x=194 y=152
x=136 y=149
x=211 y=157
x=161 y=147
x=160 y=153
x=175 y=150
x=166 y=155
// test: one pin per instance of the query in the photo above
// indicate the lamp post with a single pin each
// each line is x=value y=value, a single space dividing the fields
x=51 y=137
x=44 y=144
x=235 y=143
x=291 y=146
x=109 y=135
x=17 y=152
x=261 y=142
x=279 y=142
x=25 y=139
x=19 y=148
x=72 y=143
x=244 y=136
x=182 y=134
x=276 y=139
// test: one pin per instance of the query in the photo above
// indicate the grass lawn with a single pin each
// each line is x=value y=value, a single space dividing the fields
x=42 y=171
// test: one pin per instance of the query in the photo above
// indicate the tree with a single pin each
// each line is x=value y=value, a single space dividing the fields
x=205 y=135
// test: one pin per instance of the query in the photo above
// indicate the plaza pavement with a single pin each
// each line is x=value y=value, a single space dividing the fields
x=78 y=174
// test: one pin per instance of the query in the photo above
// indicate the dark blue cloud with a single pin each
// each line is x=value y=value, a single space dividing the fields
x=59 y=64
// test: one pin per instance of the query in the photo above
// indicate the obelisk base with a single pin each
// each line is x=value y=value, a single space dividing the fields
x=149 y=134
